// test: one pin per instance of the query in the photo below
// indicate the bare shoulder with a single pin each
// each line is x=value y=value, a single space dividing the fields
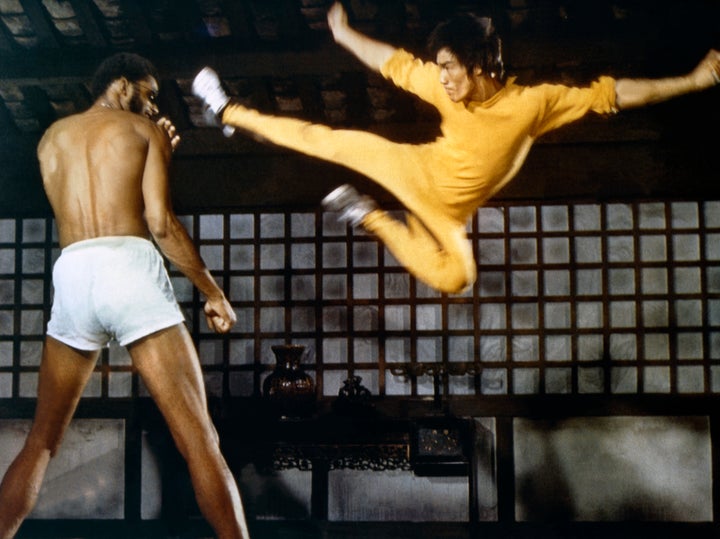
x=102 y=132
x=150 y=130
x=55 y=127
x=55 y=132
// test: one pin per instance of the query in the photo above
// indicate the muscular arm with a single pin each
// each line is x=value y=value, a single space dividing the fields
x=632 y=93
x=369 y=51
x=172 y=238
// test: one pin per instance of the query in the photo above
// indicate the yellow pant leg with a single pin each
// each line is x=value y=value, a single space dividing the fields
x=447 y=265
x=364 y=152
x=433 y=245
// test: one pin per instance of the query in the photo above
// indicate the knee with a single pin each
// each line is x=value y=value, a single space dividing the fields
x=458 y=284
x=461 y=269
x=458 y=280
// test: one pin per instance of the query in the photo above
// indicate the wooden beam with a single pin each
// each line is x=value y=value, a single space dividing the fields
x=40 y=20
x=237 y=13
x=89 y=25
x=37 y=101
x=7 y=125
x=7 y=45
x=137 y=22
x=27 y=67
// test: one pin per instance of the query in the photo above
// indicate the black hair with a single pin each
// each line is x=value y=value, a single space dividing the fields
x=473 y=40
x=123 y=64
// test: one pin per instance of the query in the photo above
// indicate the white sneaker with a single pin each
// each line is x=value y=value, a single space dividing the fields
x=207 y=87
x=352 y=206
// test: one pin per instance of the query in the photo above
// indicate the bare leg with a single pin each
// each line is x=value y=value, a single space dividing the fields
x=64 y=372
x=168 y=363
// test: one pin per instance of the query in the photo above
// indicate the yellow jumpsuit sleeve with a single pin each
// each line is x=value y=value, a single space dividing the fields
x=560 y=104
x=413 y=75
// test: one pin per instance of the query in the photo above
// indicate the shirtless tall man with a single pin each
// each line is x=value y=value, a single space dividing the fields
x=105 y=172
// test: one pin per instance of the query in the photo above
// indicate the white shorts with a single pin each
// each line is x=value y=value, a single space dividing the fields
x=107 y=288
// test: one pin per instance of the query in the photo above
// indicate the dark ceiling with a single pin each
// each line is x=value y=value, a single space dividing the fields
x=278 y=56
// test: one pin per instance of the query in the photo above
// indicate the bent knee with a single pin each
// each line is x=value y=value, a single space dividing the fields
x=455 y=282
x=459 y=286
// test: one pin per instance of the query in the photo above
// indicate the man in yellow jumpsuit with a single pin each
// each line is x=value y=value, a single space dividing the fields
x=488 y=124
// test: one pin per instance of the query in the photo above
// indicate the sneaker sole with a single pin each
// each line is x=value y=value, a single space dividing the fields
x=339 y=198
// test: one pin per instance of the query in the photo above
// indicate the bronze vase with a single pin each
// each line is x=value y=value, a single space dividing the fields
x=289 y=390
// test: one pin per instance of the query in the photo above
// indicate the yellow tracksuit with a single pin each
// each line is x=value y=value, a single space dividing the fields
x=443 y=182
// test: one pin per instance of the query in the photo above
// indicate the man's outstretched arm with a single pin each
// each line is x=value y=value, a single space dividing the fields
x=633 y=93
x=369 y=51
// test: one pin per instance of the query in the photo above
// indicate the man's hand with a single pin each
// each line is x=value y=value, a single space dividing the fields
x=169 y=128
x=219 y=314
x=337 y=19
x=369 y=51
x=707 y=72
x=631 y=93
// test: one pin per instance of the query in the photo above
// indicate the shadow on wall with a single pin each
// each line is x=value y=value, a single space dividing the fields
x=85 y=479
x=614 y=469
x=543 y=494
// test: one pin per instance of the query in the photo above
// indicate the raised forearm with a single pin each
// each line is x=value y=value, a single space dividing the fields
x=369 y=51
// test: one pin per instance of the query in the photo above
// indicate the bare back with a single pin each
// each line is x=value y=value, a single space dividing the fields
x=94 y=166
